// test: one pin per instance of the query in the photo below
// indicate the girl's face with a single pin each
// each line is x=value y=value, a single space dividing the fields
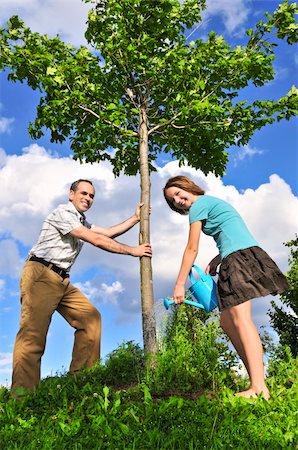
x=179 y=198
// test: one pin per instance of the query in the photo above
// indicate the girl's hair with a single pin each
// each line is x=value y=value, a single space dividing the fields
x=184 y=183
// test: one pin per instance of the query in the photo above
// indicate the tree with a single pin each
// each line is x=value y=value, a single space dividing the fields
x=285 y=321
x=145 y=89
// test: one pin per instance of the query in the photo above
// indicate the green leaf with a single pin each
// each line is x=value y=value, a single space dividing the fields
x=51 y=71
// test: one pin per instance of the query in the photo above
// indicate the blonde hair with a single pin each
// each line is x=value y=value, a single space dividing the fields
x=184 y=183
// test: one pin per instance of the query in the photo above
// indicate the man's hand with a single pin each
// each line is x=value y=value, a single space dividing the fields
x=138 y=211
x=142 y=250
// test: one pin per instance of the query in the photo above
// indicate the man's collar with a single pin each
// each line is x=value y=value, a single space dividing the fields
x=81 y=216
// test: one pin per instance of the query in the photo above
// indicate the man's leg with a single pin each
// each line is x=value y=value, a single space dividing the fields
x=238 y=325
x=84 y=317
x=41 y=291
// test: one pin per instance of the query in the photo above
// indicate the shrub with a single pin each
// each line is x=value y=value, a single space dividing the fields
x=194 y=353
x=125 y=365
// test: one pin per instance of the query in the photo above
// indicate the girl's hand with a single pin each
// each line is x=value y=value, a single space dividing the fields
x=179 y=294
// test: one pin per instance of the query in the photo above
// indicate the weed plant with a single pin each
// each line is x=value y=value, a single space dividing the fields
x=194 y=354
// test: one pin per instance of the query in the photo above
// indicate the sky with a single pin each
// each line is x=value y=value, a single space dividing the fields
x=260 y=181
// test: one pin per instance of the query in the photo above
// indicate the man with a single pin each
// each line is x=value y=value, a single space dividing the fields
x=45 y=285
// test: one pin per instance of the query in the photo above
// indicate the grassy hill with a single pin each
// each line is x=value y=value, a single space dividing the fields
x=185 y=400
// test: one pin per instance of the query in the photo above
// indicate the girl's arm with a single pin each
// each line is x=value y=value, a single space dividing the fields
x=189 y=256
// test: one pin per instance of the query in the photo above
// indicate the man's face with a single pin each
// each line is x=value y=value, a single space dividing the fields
x=83 y=197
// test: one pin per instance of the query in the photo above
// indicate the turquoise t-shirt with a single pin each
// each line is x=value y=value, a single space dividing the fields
x=221 y=221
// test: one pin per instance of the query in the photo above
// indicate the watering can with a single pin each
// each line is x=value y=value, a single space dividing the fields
x=203 y=290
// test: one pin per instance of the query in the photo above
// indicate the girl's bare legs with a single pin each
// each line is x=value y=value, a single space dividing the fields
x=238 y=325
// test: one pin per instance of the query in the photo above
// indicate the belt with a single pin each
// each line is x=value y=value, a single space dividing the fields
x=51 y=266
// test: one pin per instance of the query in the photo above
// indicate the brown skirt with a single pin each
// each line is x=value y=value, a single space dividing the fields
x=247 y=274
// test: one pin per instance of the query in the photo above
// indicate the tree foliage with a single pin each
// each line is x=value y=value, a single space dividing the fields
x=141 y=56
x=284 y=319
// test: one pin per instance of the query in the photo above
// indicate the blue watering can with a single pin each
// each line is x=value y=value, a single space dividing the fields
x=203 y=290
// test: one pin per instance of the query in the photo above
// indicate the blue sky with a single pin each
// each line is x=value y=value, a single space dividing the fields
x=260 y=181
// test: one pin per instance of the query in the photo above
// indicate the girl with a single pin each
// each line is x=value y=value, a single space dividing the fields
x=246 y=270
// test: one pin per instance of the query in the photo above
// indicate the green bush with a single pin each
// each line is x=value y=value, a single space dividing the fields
x=194 y=353
x=125 y=365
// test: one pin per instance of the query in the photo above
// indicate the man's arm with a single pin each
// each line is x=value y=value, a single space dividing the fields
x=117 y=230
x=108 y=244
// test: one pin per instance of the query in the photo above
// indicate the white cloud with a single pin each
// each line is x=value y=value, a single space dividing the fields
x=281 y=73
x=2 y=286
x=234 y=13
x=5 y=368
x=88 y=289
x=2 y=157
x=11 y=263
x=7 y=309
x=5 y=358
x=67 y=18
x=39 y=180
x=36 y=181
x=246 y=151
x=5 y=124
x=103 y=293
x=115 y=287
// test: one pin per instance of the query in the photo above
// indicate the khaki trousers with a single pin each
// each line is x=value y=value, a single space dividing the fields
x=42 y=293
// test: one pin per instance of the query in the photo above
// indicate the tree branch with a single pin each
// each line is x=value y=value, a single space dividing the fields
x=164 y=124
x=123 y=130
x=225 y=122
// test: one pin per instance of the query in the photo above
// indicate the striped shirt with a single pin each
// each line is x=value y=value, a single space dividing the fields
x=55 y=244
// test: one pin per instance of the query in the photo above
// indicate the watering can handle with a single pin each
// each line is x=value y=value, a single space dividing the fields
x=200 y=272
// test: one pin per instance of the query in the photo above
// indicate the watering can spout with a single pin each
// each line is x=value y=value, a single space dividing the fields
x=167 y=303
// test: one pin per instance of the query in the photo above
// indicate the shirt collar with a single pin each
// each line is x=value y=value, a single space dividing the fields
x=80 y=215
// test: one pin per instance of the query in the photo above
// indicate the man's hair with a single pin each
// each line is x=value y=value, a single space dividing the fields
x=74 y=186
x=184 y=183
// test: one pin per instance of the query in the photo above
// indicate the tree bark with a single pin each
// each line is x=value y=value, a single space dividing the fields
x=147 y=296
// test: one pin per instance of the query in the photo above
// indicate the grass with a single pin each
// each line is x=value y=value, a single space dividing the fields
x=180 y=404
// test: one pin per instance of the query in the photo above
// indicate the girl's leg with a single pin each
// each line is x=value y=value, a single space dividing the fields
x=226 y=322
x=238 y=325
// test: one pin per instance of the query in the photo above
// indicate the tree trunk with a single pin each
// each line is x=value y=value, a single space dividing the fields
x=147 y=296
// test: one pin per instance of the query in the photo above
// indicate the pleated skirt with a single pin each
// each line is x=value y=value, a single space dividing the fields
x=247 y=274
